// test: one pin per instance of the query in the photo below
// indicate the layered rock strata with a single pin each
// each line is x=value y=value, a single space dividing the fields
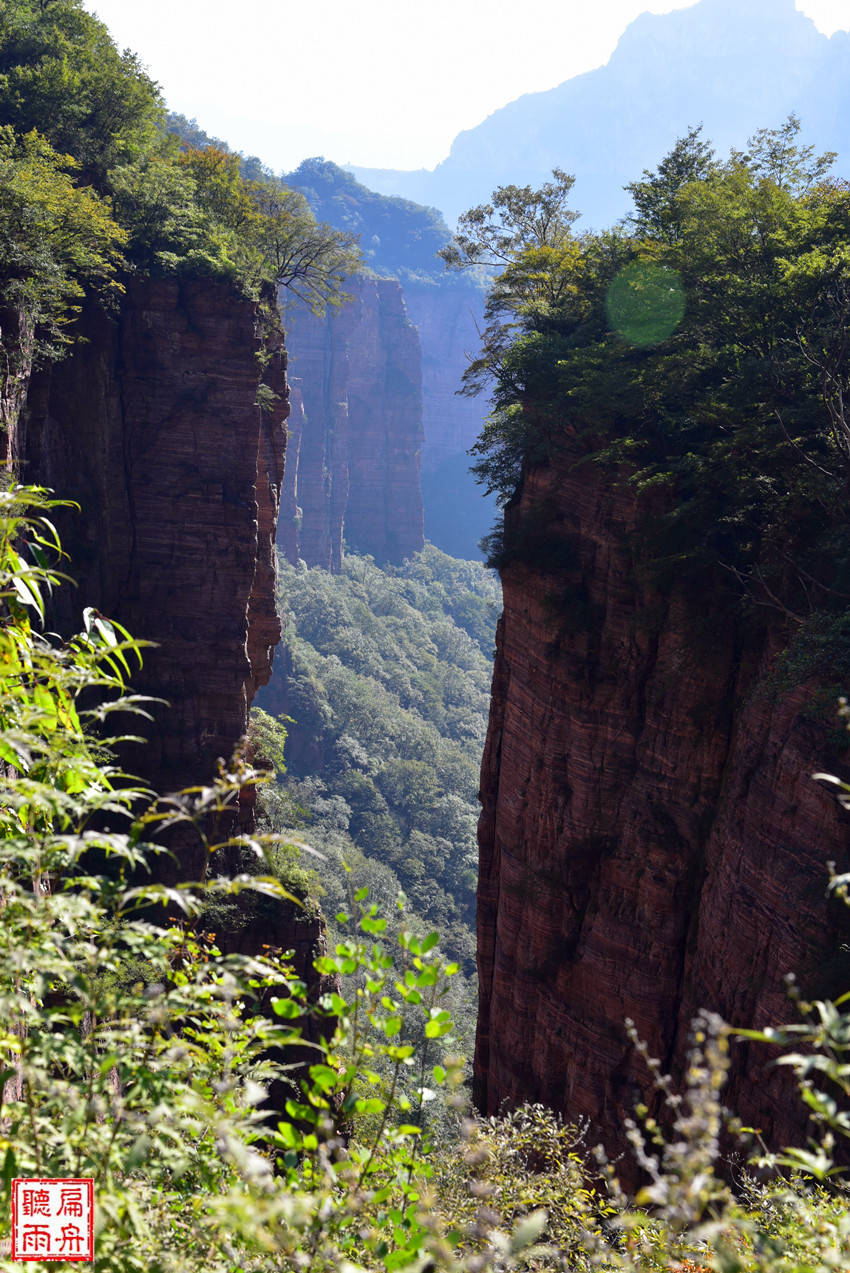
x=151 y=426
x=358 y=370
x=449 y=319
x=651 y=840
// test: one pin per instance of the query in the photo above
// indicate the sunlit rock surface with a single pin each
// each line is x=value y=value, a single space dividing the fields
x=151 y=426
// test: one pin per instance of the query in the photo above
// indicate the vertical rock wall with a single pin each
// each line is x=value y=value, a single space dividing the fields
x=651 y=841
x=151 y=426
x=449 y=321
x=358 y=373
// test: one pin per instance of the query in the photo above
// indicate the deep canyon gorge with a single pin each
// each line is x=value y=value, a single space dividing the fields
x=277 y=414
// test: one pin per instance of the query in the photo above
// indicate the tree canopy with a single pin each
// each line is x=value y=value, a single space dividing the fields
x=57 y=239
x=61 y=74
x=93 y=186
x=700 y=348
x=181 y=205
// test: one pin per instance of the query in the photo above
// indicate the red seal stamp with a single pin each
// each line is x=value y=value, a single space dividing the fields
x=53 y=1219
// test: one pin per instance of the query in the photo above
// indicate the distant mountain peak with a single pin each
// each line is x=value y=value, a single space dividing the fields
x=733 y=65
x=710 y=23
x=752 y=10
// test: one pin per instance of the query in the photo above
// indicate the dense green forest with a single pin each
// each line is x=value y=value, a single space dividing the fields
x=387 y=683
x=397 y=237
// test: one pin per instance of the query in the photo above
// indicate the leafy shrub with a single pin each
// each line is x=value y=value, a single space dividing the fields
x=132 y=1051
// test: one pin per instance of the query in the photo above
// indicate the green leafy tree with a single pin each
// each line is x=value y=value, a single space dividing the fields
x=57 y=239
x=657 y=215
x=155 y=199
x=193 y=212
x=274 y=235
x=61 y=74
x=310 y=259
x=703 y=349
x=527 y=236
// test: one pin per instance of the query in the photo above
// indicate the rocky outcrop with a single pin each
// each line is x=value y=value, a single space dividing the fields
x=151 y=426
x=358 y=371
x=651 y=840
x=291 y=514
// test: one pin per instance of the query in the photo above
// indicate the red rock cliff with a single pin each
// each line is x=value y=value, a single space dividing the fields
x=651 y=840
x=151 y=425
x=358 y=372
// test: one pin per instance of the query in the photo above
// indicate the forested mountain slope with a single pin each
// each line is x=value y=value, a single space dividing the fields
x=386 y=676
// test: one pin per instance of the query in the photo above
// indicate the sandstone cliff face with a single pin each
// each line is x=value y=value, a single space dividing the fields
x=448 y=320
x=358 y=372
x=151 y=426
x=651 y=840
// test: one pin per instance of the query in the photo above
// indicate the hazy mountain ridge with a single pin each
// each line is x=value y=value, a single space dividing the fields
x=732 y=70
x=397 y=237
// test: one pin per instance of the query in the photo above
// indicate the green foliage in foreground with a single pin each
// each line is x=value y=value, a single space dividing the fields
x=388 y=689
x=132 y=1051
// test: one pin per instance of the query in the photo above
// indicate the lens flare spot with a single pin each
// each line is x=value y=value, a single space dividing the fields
x=645 y=303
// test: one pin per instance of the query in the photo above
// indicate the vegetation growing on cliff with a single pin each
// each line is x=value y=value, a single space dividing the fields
x=396 y=237
x=135 y=1053
x=57 y=240
x=729 y=417
x=93 y=186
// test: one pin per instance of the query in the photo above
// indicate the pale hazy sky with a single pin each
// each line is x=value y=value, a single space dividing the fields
x=379 y=83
